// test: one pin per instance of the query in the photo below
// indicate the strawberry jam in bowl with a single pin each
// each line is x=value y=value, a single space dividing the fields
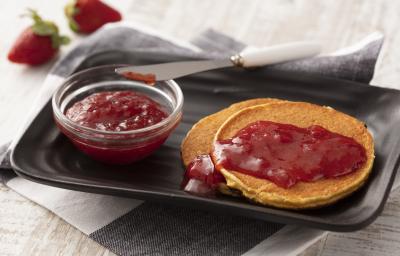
x=113 y=119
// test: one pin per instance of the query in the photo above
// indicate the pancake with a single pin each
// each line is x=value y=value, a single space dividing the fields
x=199 y=139
x=303 y=194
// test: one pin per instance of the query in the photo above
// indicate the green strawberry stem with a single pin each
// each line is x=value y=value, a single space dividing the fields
x=47 y=28
x=70 y=11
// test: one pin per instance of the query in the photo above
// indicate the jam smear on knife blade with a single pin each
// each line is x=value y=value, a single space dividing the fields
x=149 y=79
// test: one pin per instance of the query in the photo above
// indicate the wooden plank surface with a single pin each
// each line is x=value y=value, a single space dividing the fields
x=28 y=229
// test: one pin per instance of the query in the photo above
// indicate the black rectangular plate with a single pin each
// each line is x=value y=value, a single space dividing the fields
x=46 y=156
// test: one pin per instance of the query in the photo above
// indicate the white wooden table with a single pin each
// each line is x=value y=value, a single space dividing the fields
x=28 y=229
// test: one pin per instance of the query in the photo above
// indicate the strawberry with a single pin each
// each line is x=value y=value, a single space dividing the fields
x=38 y=43
x=86 y=16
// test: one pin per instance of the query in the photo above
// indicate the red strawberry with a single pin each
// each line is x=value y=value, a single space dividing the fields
x=86 y=16
x=38 y=43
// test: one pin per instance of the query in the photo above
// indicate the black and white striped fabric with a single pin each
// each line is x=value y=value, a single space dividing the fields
x=133 y=227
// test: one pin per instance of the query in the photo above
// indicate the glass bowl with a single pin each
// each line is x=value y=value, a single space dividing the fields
x=116 y=147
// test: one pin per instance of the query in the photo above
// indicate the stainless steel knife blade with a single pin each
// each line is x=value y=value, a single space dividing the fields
x=172 y=70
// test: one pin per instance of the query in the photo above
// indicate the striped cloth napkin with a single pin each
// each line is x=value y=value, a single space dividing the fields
x=133 y=227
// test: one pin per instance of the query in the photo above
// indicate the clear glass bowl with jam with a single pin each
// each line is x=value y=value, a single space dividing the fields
x=113 y=119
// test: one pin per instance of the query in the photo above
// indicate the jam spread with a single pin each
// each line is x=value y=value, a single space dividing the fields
x=286 y=154
x=281 y=153
x=116 y=111
x=149 y=79
x=201 y=177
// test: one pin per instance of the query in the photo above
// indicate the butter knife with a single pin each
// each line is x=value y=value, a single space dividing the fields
x=248 y=58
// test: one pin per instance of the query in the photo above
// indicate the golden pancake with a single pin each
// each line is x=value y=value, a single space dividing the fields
x=199 y=139
x=303 y=194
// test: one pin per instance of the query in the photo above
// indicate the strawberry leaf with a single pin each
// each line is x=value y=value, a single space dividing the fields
x=47 y=28
x=70 y=11
x=44 y=28
x=64 y=40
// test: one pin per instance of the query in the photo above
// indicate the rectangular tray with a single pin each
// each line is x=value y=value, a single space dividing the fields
x=46 y=156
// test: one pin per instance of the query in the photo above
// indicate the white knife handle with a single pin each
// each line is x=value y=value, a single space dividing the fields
x=276 y=54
